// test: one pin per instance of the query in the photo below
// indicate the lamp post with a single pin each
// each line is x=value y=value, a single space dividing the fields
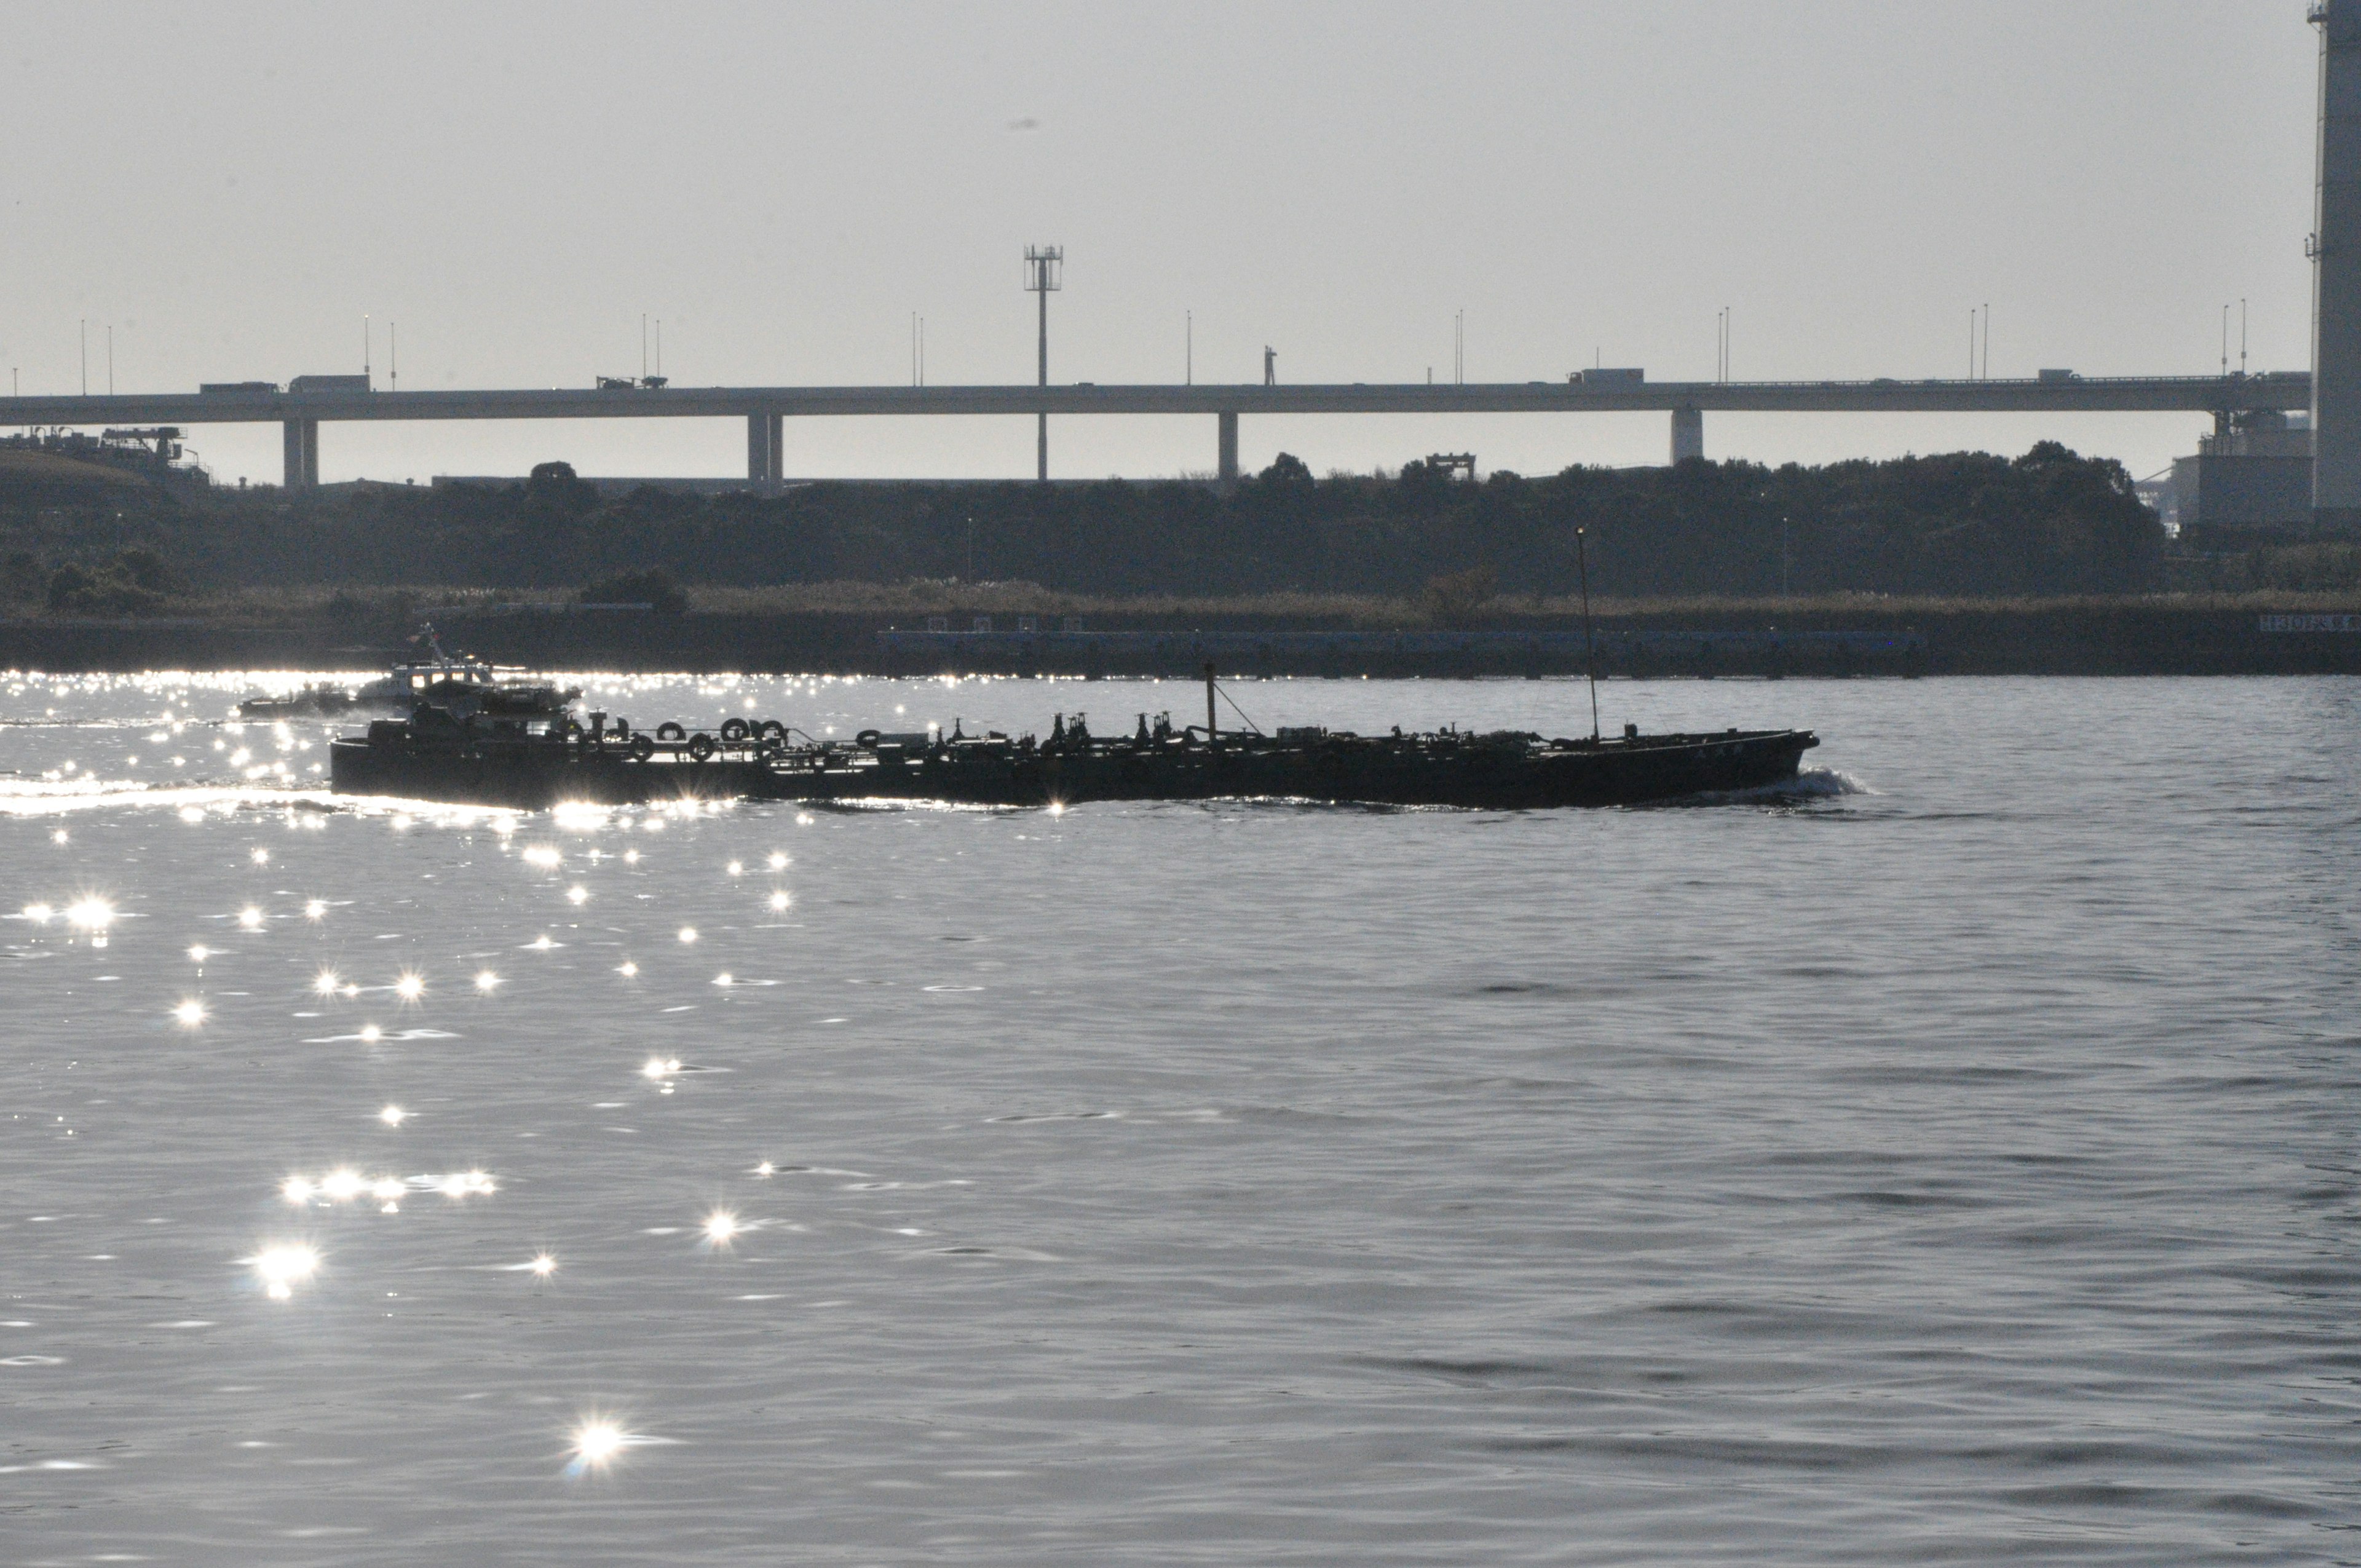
x=1045 y=267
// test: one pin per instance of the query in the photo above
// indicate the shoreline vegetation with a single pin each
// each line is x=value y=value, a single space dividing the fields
x=932 y=629
x=384 y=608
x=2043 y=562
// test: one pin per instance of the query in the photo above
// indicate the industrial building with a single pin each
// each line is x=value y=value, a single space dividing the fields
x=2250 y=483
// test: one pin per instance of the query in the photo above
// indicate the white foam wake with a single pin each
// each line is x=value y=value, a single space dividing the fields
x=47 y=797
x=1826 y=781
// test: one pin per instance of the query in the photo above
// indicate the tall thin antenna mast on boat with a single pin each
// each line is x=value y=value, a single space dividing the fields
x=1589 y=649
x=1212 y=719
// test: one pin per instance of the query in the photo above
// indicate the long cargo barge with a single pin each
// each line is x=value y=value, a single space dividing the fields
x=535 y=763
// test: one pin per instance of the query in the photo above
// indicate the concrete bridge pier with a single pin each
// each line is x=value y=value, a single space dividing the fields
x=2336 y=250
x=1688 y=434
x=300 y=454
x=766 y=436
x=1226 y=466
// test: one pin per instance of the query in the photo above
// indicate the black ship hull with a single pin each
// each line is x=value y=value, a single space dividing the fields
x=1512 y=772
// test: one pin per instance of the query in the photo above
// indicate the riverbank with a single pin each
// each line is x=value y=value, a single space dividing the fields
x=1300 y=635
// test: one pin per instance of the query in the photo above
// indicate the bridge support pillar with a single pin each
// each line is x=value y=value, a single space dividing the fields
x=1688 y=434
x=766 y=435
x=1226 y=465
x=2336 y=273
x=299 y=451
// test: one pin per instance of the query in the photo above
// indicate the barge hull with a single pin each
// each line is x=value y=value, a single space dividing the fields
x=1613 y=772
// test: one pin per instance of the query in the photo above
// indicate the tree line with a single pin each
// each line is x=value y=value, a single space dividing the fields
x=2048 y=521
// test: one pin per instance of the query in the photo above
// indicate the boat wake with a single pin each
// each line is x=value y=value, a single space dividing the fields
x=47 y=797
x=1808 y=784
x=1826 y=781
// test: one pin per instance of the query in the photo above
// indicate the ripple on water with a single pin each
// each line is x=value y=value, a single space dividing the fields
x=1958 y=1166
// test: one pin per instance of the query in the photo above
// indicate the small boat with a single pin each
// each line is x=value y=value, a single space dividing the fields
x=315 y=701
x=458 y=683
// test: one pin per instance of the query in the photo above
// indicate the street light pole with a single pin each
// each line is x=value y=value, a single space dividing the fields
x=1044 y=267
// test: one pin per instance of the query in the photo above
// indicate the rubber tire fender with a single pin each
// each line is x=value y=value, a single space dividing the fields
x=772 y=729
x=734 y=731
x=866 y=738
x=643 y=747
x=668 y=730
x=701 y=745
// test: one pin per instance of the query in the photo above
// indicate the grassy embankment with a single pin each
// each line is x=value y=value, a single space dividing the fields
x=891 y=603
x=834 y=628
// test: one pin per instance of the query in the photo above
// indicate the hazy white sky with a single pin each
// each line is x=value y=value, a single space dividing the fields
x=233 y=185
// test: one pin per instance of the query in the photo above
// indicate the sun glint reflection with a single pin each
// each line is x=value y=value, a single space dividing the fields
x=393 y=1116
x=485 y=980
x=721 y=1226
x=411 y=986
x=282 y=1267
x=190 y=1013
x=326 y=983
x=596 y=1442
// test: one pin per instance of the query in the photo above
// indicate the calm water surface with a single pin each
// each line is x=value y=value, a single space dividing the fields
x=1957 y=1163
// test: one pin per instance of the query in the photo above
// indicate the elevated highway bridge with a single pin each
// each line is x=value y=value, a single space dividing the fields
x=765 y=409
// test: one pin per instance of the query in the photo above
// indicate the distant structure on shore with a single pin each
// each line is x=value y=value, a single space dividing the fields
x=2284 y=457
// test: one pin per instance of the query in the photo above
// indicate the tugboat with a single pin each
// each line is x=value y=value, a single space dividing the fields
x=458 y=683
x=536 y=759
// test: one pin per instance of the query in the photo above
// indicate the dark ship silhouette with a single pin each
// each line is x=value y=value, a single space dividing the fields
x=531 y=761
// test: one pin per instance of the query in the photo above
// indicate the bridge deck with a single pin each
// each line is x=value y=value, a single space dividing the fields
x=2092 y=394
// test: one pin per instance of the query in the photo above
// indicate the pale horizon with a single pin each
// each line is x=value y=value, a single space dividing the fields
x=785 y=188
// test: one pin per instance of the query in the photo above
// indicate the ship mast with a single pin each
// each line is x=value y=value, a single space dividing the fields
x=1589 y=649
